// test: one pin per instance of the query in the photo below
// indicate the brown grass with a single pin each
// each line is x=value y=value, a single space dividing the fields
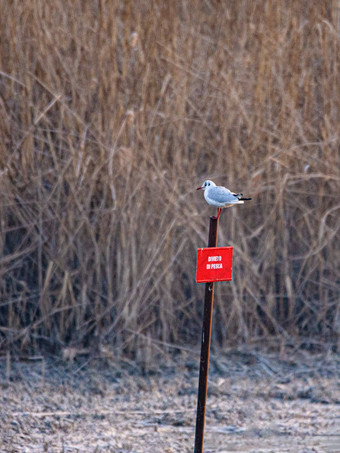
x=111 y=114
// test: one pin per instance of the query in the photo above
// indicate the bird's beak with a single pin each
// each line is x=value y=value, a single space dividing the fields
x=198 y=188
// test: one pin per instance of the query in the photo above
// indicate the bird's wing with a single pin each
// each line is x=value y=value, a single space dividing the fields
x=221 y=194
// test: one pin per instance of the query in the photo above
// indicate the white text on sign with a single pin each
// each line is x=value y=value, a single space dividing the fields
x=215 y=266
x=214 y=258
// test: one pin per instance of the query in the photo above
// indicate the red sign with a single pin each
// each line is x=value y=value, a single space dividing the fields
x=214 y=264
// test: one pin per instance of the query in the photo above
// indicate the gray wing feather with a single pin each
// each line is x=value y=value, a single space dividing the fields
x=222 y=194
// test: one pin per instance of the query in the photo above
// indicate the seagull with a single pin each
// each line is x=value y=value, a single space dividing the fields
x=220 y=196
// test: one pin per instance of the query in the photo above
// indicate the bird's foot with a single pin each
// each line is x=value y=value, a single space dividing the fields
x=219 y=210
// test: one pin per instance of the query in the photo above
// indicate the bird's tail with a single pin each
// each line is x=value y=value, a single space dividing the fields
x=241 y=197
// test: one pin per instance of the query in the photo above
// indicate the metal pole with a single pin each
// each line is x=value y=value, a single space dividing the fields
x=205 y=347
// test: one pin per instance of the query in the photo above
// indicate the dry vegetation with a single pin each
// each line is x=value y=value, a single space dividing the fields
x=111 y=114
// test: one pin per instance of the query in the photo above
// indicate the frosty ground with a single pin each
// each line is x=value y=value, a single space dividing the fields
x=257 y=402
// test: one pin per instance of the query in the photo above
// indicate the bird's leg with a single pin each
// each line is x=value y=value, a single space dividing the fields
x=219 y=210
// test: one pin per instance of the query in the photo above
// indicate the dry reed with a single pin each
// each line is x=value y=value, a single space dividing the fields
x=111 y=114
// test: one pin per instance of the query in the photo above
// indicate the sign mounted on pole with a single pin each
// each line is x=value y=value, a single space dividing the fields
x=214 y=264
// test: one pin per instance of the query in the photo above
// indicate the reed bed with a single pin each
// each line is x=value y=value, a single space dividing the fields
x=112 y=113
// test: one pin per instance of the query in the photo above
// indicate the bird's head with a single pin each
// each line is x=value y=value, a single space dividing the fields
x=206 y=184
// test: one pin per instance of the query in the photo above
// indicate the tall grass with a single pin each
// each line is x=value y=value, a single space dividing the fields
x=112 y=113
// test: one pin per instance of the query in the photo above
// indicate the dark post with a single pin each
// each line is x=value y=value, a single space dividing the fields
x=205 y=347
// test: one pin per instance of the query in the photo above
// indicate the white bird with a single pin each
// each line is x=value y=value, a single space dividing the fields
x=220 y=196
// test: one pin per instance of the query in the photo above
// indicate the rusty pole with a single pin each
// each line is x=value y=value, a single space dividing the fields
x=205 y=347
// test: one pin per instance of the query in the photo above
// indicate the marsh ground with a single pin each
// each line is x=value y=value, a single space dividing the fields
x=256 y=403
